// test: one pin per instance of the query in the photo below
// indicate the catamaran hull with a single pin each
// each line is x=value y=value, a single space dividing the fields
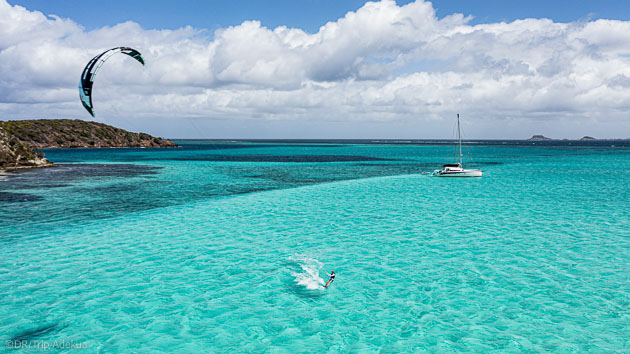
x=465 y=173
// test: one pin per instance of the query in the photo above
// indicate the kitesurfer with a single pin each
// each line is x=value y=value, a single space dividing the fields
x=332 y=278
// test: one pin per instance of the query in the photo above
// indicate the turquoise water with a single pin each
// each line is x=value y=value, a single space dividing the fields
x=223 y=246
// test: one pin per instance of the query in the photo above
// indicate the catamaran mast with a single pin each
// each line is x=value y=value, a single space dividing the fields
x=459 y=138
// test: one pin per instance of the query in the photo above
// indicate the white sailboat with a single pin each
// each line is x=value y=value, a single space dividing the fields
x=457 y=169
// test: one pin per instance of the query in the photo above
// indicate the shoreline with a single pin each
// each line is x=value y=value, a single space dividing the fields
x=22 y=142
x=5 y=171
x=110 y=147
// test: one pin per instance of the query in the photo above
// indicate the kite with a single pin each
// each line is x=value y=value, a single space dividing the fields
x=89 y=73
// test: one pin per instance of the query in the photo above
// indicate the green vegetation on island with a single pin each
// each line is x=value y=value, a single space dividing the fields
x=14 y=154
x=21 y=140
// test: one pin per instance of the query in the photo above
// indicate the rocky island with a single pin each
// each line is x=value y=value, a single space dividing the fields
x=21 y=141
x=539 y=138
x=14 y=154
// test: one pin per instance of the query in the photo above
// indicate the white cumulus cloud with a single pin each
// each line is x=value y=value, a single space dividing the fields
x=381 y=71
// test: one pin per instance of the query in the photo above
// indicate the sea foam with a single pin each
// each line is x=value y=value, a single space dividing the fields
x=309 y=274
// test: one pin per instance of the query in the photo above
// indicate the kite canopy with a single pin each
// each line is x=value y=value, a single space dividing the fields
x=89 y=73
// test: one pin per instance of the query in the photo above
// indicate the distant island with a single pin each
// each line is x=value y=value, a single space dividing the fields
x=584 y=138
x=539 y=137
x=21 y=140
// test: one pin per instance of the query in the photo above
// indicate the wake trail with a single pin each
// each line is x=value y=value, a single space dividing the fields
x=308 y=277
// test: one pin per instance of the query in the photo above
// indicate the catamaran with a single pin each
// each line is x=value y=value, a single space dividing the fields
x=456 y=169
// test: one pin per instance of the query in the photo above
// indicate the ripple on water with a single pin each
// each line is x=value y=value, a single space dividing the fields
x=422 y=263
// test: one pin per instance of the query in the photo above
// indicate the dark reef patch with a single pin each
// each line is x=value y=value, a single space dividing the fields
x=279 y=158
x=62 y=175
x=289 y=176
x=190 y=145
x=249 y=190
x=107 y=170
x=44 y=185
x=12 y=197
x=112 y=188
x=410 y=165
x=37 y=332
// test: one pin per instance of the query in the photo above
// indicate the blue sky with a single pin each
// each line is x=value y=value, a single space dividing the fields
x=341 y=69
x=306 y=14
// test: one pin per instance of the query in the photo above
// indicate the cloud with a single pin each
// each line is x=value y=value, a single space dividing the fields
x=381 y=63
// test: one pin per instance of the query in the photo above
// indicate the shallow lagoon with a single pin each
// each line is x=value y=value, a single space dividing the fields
x=207 y=247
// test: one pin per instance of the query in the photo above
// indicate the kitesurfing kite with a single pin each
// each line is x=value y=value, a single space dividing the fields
x=87 y=78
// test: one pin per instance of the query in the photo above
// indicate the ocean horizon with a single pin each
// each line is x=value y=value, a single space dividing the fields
x=224 y=245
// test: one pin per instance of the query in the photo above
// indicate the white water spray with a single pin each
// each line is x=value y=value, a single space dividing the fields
x=309 y=276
